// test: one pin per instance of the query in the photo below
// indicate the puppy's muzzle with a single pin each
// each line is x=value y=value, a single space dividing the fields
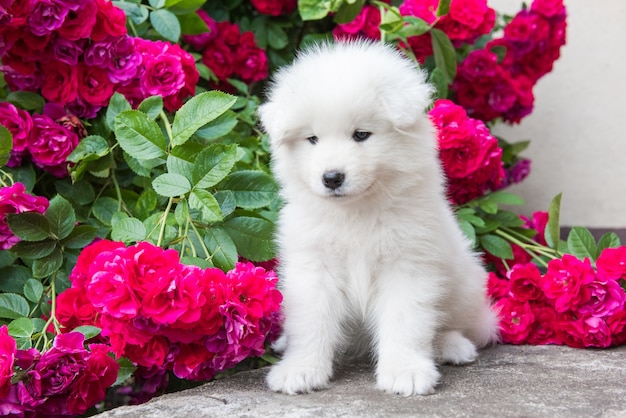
x=333 y=179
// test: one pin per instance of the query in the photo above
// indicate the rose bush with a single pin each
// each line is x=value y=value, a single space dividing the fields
x=137 y=209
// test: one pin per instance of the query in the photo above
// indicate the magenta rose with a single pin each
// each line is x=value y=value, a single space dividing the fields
x=163 y=75
x=605 y=298
x=251 y=61
x=67 y=51
x=94 y=85
x=74 y=309
x=496 y=286
x=46 y=16
x=611 y=264
x=220 y=59
x=20 y=124
x=8 y=348
x=365 y=24
x=110 y=21
x=50 y=145
x=201 y=41
x=524 y=282
x=617 y=326
x=60 y=82
x=548 y=8
x=564 y=282
x=274 y=7
x=544 y=330
x=14 y=199
x=585 y=332
x=516 y=320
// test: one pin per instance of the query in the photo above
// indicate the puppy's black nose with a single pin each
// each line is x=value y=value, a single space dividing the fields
x=333 y=179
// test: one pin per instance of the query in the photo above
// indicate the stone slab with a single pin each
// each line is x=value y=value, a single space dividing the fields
x=506 y=381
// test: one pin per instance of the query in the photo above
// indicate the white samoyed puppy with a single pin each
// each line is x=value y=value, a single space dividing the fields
x=367 y=239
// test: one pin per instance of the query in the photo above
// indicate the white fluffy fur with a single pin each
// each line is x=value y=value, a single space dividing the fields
x=383 y=252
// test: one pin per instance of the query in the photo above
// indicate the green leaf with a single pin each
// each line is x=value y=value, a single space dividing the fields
x=46 y=266
x=135 y=12
x=252 y=189
x=496 y=246
x=608 y=240
x=508 y=219
x=156 y=4
x=13 y=278
x=221 y=247
x=445 y=54
x=29 y=226
x=80 y=237
x=505 y=198
x=24 y=174
x=413 y=26
x=146 y=204
x=80 y=192
x=139 y=135
x=117 y=105
x=206 y=203
x=13 y=306
x=7 y=258
x=197 y=112
x=313 y=9
x=171 y=185
x=252 y=237
x=219 y=127
x=27 y=100
x=488 y=206
x=196 y=261
x=183 y=6
x=213 y=164
x=104 y=208
x=89 y=148
x=468 y=230
x=88 y=331
x=151 y=106
x=21 y=328
x=192 y=24
x=438 y=79
x=443 y=8
x=126 y=370
x=227 y=202
x=581 y=243
x=553 y=228
x=348 y=11
x=276 y=37
x=166 y=24
x=6 y=144
x=35 y=249
x=61 y=217
x=391 y=20
x=128 y=230
x=33 y=290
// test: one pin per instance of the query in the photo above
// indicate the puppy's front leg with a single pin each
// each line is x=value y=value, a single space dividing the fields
x=313 y=313
x=405 y=321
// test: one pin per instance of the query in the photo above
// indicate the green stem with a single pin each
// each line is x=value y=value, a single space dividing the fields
x=168 y=127
x=163 y=221
x=533 y=250
x=206 y=250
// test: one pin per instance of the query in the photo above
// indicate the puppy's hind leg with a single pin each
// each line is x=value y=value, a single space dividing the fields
x=314 y=312
x=454 y=348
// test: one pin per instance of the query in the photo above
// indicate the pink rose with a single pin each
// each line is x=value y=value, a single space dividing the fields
x=497 y=287
x=14 y=199
x=538 y=222
x=617 y=325
x=274 y=7
x=524 y=281
x=611 y=264
x=80 y=273
x=110 y=21
x=46 y=16
x=544 y=330
x=516 y=320
x=605 y=298
x=199 y=42
x=366 y=24
x=548 y=8
x=564 y=282
x=251 y=61
x=220 y=59
x=585 y=332
x=8 y=348
x=20 y=124
x=163 y=75
x=50 y=145
x=74 y=309
x=255 y=288
x=151 y=354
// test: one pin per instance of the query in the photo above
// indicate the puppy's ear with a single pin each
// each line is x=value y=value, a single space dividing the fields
x=272 y=120
x=409 y=103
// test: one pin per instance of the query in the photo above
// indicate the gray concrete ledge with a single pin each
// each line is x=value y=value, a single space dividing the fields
x=506 y=381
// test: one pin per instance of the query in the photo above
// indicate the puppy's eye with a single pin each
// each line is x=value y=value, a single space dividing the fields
x=312 y=139
x=360 y=136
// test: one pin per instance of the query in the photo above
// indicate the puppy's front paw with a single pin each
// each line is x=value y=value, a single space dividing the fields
x=417 y=377
x=457 y=349
x=293 y=378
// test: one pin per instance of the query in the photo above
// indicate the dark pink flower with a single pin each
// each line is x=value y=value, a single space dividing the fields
x=250 y=60
x=538 y=222
x=94 y=85
x=74 y=309
x=497 y=287
x=617 y=325
x=110 y=21
x=587 y=331
x=14 y=199
x=50 y=145
x=60 y=82
x=548 y=8
x=79 y=23
x=524 y=282
x=199 y=42
x=365 y=25
x=516 y=320
x=605 y=299
x=611 y=264
x=564 y=282
x=20 y=124
x=274 y=7
x=8 y=348
x=46 y=16
x=80 y=273
x=545 y=328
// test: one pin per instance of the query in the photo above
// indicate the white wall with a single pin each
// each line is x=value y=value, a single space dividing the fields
x=578 y=125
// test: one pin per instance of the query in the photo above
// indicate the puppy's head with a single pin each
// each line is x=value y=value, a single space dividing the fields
x=346 y=119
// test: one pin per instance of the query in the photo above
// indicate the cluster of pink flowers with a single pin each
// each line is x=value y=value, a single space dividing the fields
x=229 y=53
x=573 y=303
x=274 y=7
x=489 y=88
x=47 y=138
x=471 y=157
x=465 y=23
x=77 y=54
x=365 y=25
x=162 y=314
x=14 y=199
x=65 y=380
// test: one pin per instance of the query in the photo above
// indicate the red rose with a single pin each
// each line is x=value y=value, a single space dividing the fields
x=544 y=330
x=229 y=33
x=151 y=354
x=617 y=325
x=219 y=58
x=60 y=82
x=564 y=280
x=251 y=61
x=497 y=287
x=516 y=320
x=524 y=281
x=74 y=309
x=548 y=8
x=79 y=23
x=110 y=20
x=94 y=85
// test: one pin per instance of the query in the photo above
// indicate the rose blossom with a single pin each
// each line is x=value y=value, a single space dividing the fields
x=60 y=82
x=563 y=282
x=516 y=320
x=617 y=325
x=524 y=282
x=365 y=24
x=274 y=7
x=611 y=264
x=199 y=42
x=14 y=199
x=74 y=309
x=94 y=85
x=8 y=348
x=20 y=124
x=544 y=330
x=79 y=23
x=110 y=21
x=605 y=299
x=585 y=332
x=46 y=16
x=67 y=51
x=50 y=145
